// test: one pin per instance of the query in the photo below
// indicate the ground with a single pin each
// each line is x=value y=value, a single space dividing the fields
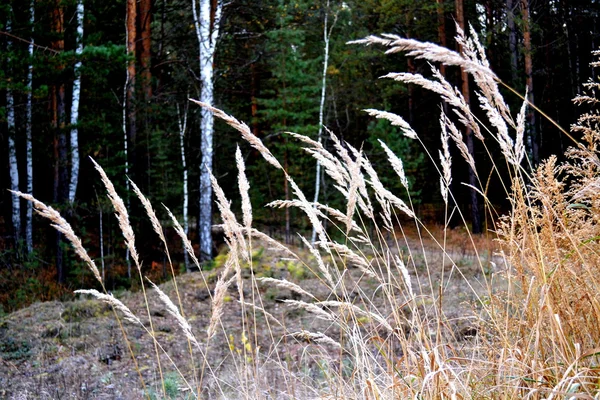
x=76 y=349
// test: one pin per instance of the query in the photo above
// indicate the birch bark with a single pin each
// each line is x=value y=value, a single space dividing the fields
x=182 y=122
x=12 y=149
x=206 y=21
x=75 y=106
x=326 y=37
x=28 y=137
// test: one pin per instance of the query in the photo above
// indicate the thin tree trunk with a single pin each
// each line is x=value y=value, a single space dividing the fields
x=411 y=67
x=101 y=235
x=145 y=83
x=129 y=102
x=475 y=217
x=28 y=137
x=182 y=122
x=75 y=106
x=512 y=38
x=145 y=54
x=441 y=20
x=206 y=21
x=326 y=36
x=61 y=174
x=130 y=83
x=12 y=149
x=533 y=139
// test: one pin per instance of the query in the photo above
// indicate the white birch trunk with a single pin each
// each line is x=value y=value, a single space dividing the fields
x=28 y=138
x=182 y=122
x=326 y=36
x=207 y=38
x=12 y=150
x=125 y=145
x=75 y=106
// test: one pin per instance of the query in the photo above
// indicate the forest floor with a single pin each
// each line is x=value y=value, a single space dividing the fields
x=76 y=350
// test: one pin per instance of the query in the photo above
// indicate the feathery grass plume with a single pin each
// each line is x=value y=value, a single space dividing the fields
x=308 y=209
x=426 y=51
x=150 y=211
x=395 y=119
x=318 y=337
x=355 y=181
x=452 y=95
x=114 y=302
x=354 y=308
x=320 y=264
x=231 y=227
x=172 y=309
x=337 y=214
x=333 y=167
x=310 y=307
x=284 y=283
x=396 y=164
x=382 y=193
x=519 y=152
x=458 y=139
x=120 y=212
x=351 y=257
x=186 y=241
x=363 y=200
x=244 y=187
x=245 y=131
x=127 y=231
x=272 y=242
x=405 y=276
x=446 y=160
x=61 y=225
x=473 y=50
x=219 y=295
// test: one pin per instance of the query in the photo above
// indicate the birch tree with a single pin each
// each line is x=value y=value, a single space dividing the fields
x=28 y=136
x=326 y=37
x=12 y=150
x=207 y=18
x=182 y=123
x=75 y=106
x=129 y=97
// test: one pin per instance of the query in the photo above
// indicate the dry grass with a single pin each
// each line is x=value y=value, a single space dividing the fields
x=532 y=327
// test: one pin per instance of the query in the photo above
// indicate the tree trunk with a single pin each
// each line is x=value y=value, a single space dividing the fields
x=129 y=123
x=411 y=67
x=468 y=135
x=75 y=106
x=28 y=137
x=130 y=83
x=512 y=39
x=182 y=122
x=532 y=138
x=441 y=20
x=145 y=53
x=145 y=86
x=326 y=36
x=12 y=149
x=206 y=21
x=61 y=174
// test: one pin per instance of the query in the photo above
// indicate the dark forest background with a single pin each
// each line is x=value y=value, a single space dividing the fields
x=268 y=73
